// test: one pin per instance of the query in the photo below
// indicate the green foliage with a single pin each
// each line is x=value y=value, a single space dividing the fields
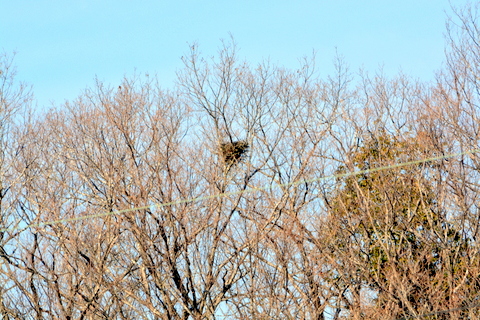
x=392 y=220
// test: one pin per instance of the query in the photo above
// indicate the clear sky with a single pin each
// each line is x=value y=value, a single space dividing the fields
x=63 y=45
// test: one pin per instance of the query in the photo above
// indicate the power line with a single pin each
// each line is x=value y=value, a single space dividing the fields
x=249 y=190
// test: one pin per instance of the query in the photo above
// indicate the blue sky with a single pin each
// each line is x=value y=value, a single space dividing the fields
x=63 y=45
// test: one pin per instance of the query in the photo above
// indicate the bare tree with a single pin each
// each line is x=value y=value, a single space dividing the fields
x=15 y=100
x=246 y=192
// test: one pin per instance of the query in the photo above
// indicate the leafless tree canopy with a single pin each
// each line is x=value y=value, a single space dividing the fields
x=246 y=192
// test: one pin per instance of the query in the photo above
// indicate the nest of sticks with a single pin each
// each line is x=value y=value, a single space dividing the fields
x=233 y=152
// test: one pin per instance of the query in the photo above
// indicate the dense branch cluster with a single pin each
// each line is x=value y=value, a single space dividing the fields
x=246 y=193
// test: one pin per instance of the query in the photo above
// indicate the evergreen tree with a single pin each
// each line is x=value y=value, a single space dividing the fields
x=393 y=228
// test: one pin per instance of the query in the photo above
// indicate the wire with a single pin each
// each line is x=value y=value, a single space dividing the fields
x=226 y=194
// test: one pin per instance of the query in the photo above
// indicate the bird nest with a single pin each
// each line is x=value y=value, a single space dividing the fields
x=233 y=152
